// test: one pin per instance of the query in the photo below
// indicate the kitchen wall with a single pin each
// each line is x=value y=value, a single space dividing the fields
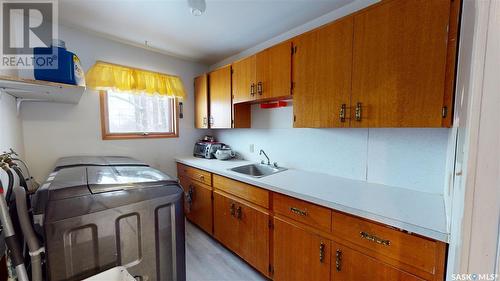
x=408 y=158
x=54 y=130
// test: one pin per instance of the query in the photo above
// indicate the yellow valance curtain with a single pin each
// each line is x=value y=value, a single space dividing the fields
x=108 y=76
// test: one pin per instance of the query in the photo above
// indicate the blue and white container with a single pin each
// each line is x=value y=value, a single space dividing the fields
x=56 y=64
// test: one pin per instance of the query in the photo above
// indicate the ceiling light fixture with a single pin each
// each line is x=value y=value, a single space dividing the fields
x=198 y=7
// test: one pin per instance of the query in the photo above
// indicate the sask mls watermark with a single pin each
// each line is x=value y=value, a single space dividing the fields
x=474 y=276
x=26 y=25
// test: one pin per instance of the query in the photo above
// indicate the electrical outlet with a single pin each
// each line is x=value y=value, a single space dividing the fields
x=251 y=148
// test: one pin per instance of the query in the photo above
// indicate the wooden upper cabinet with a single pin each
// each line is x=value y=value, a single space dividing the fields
x=274 y=72
x=220 y=98
x=351 y=265
x=322 y=64
x=299 y=255
x=399 y=66
x=244 y=85
x=201 y=102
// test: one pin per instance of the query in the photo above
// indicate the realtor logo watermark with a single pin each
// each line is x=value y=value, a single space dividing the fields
x=26 y=25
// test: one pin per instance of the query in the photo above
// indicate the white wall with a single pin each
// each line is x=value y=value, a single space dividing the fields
x=54 y=130
x=11 y=134
x=408 y=158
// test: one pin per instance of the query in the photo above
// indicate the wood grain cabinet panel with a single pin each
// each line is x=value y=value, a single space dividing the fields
x=302 y=211
x=417 y=252
x=220 y=98
x=298 y=254
x=201 y=102
x=322 y=75
x=243 y=228
x=274 y=72
x=198 y=203
x=242 y=190
x=244 y=85
x=351 y=265
x=195 y=174
x=399 y=65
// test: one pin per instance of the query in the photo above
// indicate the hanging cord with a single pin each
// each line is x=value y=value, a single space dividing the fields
x=11 y=240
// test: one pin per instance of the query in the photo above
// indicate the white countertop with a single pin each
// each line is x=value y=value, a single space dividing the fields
x=417 y=212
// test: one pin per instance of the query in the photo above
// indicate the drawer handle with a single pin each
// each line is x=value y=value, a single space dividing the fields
x=321 y=252
x=239 y=213
x=338 y=260
x=374 y=238
x=232 y=209
x=298 y=211
x=202 y=177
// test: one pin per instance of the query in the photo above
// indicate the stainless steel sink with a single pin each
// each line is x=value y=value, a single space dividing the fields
x=257 y=170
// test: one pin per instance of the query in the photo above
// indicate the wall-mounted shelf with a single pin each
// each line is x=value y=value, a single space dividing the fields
x=36 y=90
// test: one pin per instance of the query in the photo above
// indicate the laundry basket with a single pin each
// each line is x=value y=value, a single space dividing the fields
x=118 y=273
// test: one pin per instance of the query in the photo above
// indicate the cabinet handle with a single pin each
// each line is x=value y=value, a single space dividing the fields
x=211 y=121
x=358 y=112
x=239 y=213
x=338 y=260
x=232 y=209
x=204 y=121
x=259 y=88
x=342 y=112
x=374 y=238
x=188 y=196
x=252 y=89
x=321 y=252
x=298 y=211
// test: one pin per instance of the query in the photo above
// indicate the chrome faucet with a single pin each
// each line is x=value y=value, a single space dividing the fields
x=262 y=162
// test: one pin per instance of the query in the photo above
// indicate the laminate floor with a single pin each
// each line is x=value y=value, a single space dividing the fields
x=207 y=260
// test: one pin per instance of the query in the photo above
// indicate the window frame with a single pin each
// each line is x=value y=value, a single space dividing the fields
x=106 y=135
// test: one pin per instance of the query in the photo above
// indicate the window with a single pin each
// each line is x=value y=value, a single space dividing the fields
x=128 y=116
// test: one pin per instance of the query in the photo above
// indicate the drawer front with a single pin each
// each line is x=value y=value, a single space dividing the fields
x=242 y=190
x=198 y=203
x=195 y=174
x=412 y=250
x=302 y=211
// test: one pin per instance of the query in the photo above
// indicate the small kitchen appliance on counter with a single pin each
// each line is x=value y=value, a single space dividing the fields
x=206 y=147
x=225 y=153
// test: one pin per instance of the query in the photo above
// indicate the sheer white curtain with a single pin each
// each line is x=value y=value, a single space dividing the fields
x=132 y=113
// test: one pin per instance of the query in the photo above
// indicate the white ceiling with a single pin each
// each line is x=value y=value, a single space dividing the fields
x=226 y=28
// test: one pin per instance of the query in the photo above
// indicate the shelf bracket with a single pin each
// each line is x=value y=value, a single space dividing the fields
x=19 y=101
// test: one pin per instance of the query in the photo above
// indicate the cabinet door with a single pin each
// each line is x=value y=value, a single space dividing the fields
x=243 y=229
x=198 y=204
x=253 y=235
x=225 y=221
x=351 y=265
x=322 y=75
x=274 y=71
x=399 y=64
x=220 y=98
x=244 y=85
x=298 y=254
x=201 y=102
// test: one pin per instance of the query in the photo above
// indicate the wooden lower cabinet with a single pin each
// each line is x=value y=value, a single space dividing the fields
x=305 y=241
x=243 y=228
x=351 y=265
x=198 y=203
x=298 y=254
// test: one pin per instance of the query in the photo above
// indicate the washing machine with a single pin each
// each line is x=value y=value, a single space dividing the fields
x=96 y=217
